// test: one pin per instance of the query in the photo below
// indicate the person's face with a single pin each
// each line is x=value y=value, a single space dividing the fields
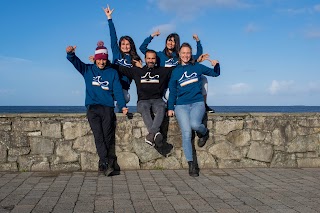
x=125 y=46
x=185 y=54
x=101 y=63
x=171 y=43
x=151 y=59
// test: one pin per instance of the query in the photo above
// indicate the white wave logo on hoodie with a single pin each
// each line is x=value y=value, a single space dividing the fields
x=170 y=63
x=188 y=79
x=97 y=81
x=147 y=78
x=123 y=62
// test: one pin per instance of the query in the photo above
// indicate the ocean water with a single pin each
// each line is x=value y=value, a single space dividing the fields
x=218 y=109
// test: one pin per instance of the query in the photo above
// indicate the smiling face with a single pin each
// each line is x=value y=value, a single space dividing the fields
x=151 y=59
x=185 y=54
x=101 y=63
x=125 y=46
x=170 y=44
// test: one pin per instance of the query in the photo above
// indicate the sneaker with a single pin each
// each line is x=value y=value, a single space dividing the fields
x=203 y=139
x=105 y=168
x=150 y=139
x=158 y=139
x=209 y=110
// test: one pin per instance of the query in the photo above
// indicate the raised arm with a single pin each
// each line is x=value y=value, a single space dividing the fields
x=113 y=35
x=144 y=46
x=199 y=47
x=209 y=71
x=77 y=63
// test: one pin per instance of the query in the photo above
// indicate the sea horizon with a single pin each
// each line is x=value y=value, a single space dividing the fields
x=218 y=109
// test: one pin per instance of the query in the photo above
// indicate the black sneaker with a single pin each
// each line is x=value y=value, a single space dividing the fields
x=203 y=139
x=105 y=169
x=158 y=139
x=209 y=110
x=150 y=139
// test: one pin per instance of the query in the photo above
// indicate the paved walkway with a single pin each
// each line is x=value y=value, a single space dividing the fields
x=215 y=190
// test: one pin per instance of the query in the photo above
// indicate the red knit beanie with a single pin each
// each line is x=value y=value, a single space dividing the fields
x=101 y=51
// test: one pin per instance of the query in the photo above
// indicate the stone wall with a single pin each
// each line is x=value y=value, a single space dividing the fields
x=64 y=142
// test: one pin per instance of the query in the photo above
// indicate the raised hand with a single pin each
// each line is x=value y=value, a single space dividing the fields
x=91 y=58
x=108 y=11
x=203 y=57
x=156 y=33
x=195 y=37
x=71 y=49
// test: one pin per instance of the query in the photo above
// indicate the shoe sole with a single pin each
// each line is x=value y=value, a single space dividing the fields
x=149 y=142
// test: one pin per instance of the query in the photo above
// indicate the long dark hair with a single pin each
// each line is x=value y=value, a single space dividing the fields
x=176 y=46
x=133 y=51
x=185 y=44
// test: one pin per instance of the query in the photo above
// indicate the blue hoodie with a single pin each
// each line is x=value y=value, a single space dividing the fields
x=117 y=56
x=185 y=83
x=162 y=59
x=101 y=85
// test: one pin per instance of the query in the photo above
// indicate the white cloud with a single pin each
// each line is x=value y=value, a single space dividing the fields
x=239 y=88
x=278 y=87
x=164 y=29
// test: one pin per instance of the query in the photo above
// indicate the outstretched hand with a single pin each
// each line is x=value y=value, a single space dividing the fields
x=203 y=57
x=108 y=11
x=213 y=62
x=71 y=49
x=156 y=33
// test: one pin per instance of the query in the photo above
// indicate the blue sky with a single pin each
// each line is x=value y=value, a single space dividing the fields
x=269 y=50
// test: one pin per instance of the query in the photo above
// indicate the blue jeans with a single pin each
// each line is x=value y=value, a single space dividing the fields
x=189 y=117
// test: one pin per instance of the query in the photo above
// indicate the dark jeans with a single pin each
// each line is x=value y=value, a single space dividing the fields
x=102 y=121
x=158 y=108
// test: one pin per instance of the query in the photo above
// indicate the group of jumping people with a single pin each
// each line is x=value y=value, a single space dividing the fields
x=172 y=81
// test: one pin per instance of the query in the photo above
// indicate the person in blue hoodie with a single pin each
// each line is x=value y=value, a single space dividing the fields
x=169 y=57
x=186 y=101
x=123 y=53
x=102 y=89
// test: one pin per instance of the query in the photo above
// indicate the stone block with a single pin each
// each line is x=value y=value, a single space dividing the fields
x=85 y=144
x=9 y=167
x=260 y=152
x=308 y=143
x=3 y=153
x=167 y=163
x=89 y=161
x=224 y=127
x=128 y=161
x=225 y=150
x=41 y=146
x=308 y=162
x=26 y=125
x=65 y=153
x=239 y=137
x=51 y=130
x=72 y=130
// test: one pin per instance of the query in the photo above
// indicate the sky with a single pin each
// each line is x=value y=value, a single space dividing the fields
x=269 y=50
